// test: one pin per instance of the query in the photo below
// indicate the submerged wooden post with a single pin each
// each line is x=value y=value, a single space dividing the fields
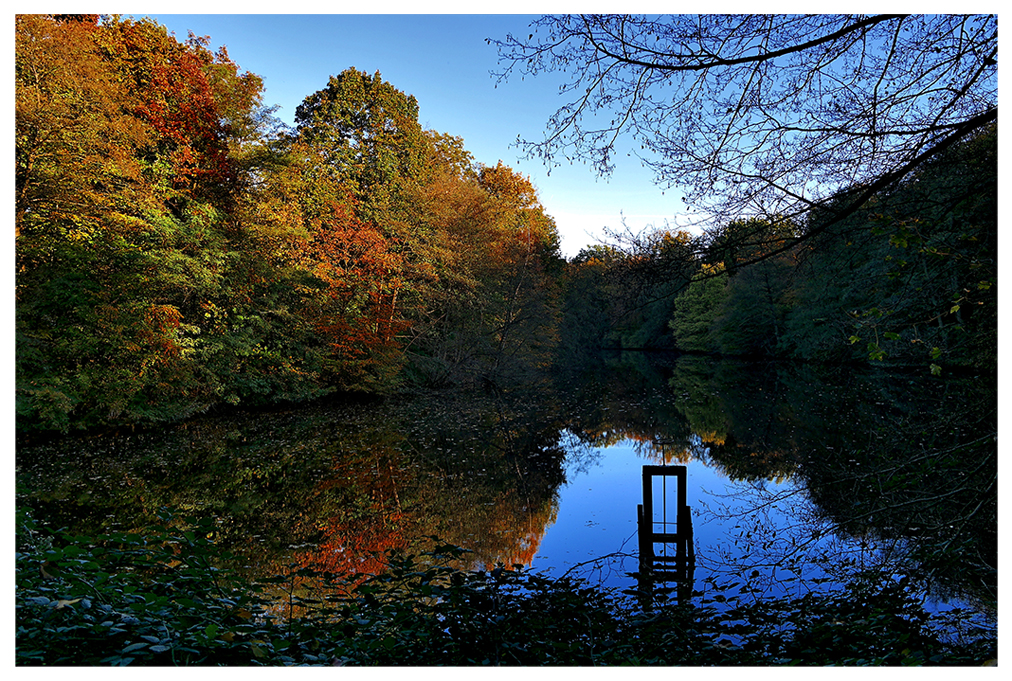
x=679 y=567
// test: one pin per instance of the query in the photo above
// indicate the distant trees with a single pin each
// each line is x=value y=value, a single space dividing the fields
x=621 y=297
x=803 y=143
x=695 y=312
x=912 y=277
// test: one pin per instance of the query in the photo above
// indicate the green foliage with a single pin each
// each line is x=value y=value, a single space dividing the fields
x=623 y=298
x=908 y=279
x=156 y=598
x=129 y=598
x=751 y=319
x=695 y=312
x=369 y=133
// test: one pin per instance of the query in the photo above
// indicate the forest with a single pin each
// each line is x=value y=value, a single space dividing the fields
x=270 y=379
x=179 y=250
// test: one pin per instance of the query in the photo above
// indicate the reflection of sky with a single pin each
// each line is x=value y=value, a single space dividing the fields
x=597 y=510
x=597 y=517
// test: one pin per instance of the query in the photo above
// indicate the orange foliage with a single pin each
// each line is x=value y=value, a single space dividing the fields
x=523 y=528
x=161 y=323
x=361 y=273
x=185 y=93
x=357 y=547
x=76 y=139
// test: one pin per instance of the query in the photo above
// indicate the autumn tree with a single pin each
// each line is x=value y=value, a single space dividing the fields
x=72 y=114
x=124 y=172
x=492 y=315
x=337 y=273
x=453 y=208
x=366 y=138
x=368 y=133
x=524 y=249
x=178 y=248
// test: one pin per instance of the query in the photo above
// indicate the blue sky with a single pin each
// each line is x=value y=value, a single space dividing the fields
x=444 y=61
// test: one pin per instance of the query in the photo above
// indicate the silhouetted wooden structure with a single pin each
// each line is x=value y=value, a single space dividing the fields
x=676 y=559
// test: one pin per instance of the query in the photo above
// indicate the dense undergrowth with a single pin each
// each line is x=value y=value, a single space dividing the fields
x=156 y=598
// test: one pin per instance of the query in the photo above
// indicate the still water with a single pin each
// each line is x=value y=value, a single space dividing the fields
x=797 y=478
x=764 y=530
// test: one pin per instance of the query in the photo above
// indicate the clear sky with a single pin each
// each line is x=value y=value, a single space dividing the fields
x=444 y=61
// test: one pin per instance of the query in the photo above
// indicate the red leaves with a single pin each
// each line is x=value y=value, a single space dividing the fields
x=361 y=271
x=358 y=546
x=182 y=91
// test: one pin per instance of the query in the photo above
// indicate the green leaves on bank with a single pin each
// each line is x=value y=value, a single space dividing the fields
x=156 y=598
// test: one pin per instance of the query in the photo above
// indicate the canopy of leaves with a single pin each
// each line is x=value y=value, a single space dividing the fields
x=177 y=249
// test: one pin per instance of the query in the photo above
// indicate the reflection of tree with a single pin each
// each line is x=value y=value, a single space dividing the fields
x=905 y=466
x=342 y=481
x=373 y=521
x=493 y=468
x=739 y=416
x=746 y=462
x=904 y=473
x=928 y=486
x=357 y=546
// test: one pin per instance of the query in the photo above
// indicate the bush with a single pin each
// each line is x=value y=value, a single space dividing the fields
x=156 y=598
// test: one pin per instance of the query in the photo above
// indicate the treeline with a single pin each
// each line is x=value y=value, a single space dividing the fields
x=177 y=247
x=909 y=279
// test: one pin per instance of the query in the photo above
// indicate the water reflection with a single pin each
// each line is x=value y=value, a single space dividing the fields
x=799 y=477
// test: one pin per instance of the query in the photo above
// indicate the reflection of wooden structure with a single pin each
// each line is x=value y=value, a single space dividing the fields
x=676 y=559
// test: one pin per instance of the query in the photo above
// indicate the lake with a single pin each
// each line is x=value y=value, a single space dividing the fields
x=798 y=478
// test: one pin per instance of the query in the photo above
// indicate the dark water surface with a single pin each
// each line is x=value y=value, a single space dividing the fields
x=797 y=478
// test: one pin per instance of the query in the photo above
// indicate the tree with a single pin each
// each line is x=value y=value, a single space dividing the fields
x=695 y=311
x=763 y=115
x=365 y=135
x=752 y=314
x=369 y=135
x=913 y=275
x=523 y=250
x=326 y=279
x=490 y=316
x=76 y=138
x=588 y=301
x=125 y=180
